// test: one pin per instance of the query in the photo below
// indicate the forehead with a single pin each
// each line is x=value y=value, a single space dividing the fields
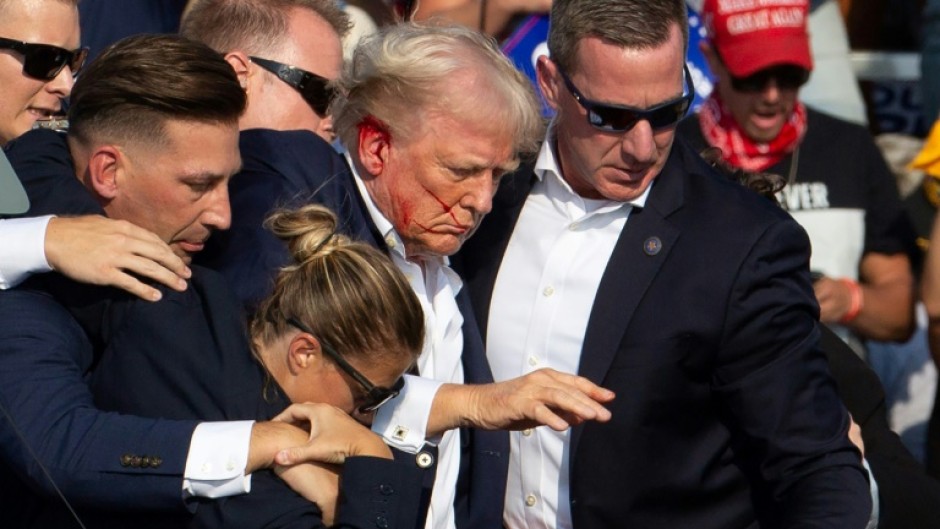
x=608 y=73
x=464 y=140
x=40 y=21
x=191 y=148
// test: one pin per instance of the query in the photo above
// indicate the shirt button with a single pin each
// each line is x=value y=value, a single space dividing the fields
x=533 y=361
x=390 y=242
x=386 y=489
x=573 y=226
x=548 y=291
x=381 y=522
x=530 y=500
x=230 y=465
x=527 y=432
x=206 y=467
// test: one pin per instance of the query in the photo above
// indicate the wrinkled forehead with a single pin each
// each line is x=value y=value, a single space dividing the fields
x=41 y=21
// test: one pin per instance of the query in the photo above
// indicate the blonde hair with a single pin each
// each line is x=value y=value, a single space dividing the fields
x=347 y=292
x=408 y=70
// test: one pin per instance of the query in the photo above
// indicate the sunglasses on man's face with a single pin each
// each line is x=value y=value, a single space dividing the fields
x=44 y=61
x=619 y=118
x=376 y=396
x=315 y=90
x=786 y=76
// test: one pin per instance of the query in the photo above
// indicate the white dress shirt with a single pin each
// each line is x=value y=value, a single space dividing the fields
x=22 y=251
x=403 y=420
x=541 y=303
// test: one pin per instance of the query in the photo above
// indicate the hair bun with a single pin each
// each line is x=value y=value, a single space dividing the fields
x=309 y=231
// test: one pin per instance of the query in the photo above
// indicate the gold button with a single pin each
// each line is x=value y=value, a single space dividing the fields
x=530 y=500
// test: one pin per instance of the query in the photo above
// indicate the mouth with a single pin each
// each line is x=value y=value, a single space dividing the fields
x=191 y=247
x=43 y=113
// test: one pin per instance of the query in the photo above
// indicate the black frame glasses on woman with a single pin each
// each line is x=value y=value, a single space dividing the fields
x=45 y=61
x=620 y=118
x=316 y=90
x=376 y=395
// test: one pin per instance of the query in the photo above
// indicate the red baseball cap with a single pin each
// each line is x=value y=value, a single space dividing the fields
x=751 y=35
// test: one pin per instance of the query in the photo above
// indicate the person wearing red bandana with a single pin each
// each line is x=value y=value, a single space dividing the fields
x=838 y=185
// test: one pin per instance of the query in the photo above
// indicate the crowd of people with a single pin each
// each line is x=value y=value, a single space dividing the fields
x=261 y=284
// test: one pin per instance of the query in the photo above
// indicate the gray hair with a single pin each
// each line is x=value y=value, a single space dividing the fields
x=409 y=70
x=633 y=24
x=254 y=26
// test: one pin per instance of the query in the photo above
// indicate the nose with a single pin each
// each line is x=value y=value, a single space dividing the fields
x=771 y=92
x=218 y=214
x=479 y=198
x=62 y=84
x=637 y=143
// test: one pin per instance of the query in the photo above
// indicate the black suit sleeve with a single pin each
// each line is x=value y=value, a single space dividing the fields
x=788 y=424
x=48 y=411
x=909 y=498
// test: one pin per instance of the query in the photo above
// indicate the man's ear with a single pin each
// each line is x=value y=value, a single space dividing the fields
x=374 y=143
x=241 y=64
x=549 y=80
x=106 y=168
x=303 y=353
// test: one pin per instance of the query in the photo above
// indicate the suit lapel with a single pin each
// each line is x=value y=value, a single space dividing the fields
x=643 y=246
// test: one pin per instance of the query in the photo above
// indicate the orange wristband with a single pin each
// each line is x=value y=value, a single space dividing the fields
x=855 y=306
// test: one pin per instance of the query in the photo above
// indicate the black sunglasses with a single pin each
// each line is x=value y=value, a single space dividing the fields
x=619 y=118
x=376 y=395
x=44 y=61
x=787 y=76
x=316 y=90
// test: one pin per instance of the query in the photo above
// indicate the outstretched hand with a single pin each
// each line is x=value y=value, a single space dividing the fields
x=101 y=251
x=544 y=397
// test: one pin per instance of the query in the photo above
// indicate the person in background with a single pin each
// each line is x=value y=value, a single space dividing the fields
x=839 y=187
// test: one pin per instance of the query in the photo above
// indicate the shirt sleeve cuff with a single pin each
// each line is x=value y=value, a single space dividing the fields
x=875 y=503
x=403 y=420
x=218 y=456
x=23 y=251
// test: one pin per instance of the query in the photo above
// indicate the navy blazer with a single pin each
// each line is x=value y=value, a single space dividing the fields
x=725 y=415
x=51 y=423
x=187 y=358
x=289 y=169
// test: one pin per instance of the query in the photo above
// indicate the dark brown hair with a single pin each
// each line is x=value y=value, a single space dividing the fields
x=634 y=24
x=138 y=83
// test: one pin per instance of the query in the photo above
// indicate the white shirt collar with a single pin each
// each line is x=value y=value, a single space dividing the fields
x=558 y=188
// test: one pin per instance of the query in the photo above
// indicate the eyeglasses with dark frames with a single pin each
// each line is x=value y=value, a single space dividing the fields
x=316 y=90
x=619 y=118
x=45 y=61
x=376 y=396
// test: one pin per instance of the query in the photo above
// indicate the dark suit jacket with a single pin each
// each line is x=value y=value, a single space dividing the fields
x=908 y=497
x=294 y=168
x=187 y=359
x=50 y=421
x=726 y=415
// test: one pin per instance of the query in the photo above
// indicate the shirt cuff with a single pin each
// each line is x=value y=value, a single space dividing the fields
x=875 y=503
x=23 y=251
x=218 y=456
x=403 y=421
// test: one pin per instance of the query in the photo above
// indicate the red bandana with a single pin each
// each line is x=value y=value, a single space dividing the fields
x=721 y=130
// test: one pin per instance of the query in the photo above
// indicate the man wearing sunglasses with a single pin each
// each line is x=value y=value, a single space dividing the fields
x=39 y=56
x=838 y=185
x=620 y=256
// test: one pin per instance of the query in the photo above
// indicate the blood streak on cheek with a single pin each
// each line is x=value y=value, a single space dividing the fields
x=447 y=209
